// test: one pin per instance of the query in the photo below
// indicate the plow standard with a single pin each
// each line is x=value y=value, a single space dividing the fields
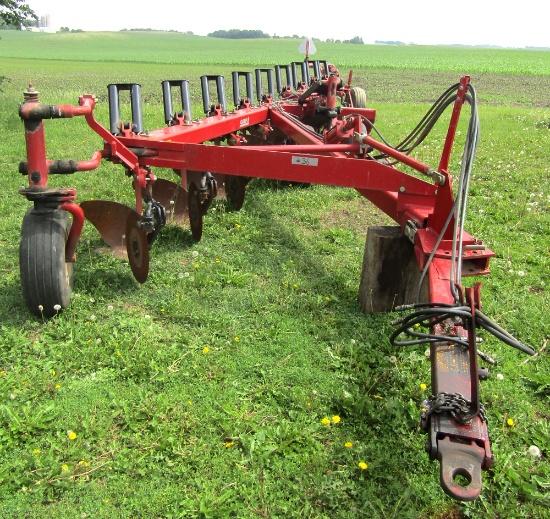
x=301 y=123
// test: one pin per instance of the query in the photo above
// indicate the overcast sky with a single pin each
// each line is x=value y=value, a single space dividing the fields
x=492 y=22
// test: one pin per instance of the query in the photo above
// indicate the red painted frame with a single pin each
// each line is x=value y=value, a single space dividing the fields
x=339 y=158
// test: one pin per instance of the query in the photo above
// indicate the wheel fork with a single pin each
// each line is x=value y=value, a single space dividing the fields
x=64 y=198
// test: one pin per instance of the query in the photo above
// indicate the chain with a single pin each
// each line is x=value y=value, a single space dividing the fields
x=453 y=403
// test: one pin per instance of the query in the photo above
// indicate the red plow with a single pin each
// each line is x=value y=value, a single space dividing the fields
x=301 y=123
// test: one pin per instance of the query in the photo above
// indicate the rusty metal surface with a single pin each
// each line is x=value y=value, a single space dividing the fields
x=174 y=199
x=195 y=212
x=109 y=218
x=137 y=247
x=460 y=468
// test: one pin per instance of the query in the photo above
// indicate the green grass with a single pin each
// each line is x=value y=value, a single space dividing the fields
x=174 y=48
x=202 y=392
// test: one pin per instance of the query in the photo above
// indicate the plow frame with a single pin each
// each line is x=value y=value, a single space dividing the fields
x=311 y=134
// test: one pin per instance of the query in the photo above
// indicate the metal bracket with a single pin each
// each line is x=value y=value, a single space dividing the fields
x=169 y=115
x=114 y=106
x=237 y=99
x=220 y=87
x=411 y=228
x=437 y=177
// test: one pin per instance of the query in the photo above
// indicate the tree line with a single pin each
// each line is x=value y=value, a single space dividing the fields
x=238 y=34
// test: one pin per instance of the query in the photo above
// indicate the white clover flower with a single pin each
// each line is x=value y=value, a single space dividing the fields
x=352 y=341
x=110 y=308
x=393 y=359
x=41 y=308
x=57 y=307
x=92 y=317
x=346 y=394
x=147 y=316
x=427 y=352
x=521 y=273
x=180 y=275
x=534 y=451
x=195 y=254
x=500 y=376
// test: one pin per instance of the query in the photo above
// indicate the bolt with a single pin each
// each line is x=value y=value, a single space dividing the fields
x=402 y=189
x=30 y=94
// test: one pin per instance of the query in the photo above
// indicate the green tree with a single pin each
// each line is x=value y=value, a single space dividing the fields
x=16 y=13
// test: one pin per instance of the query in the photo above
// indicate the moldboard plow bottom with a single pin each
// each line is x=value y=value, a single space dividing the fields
x=301 y=123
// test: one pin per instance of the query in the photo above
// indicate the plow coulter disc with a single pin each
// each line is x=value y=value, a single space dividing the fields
x=235 y=190
x=109 y=218
x=196 y=211
x=137 y=248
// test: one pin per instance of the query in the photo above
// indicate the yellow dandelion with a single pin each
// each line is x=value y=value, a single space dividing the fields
x=236 y=339
x=238 y=225
x=206 y=349
x=36 y=451
x=53 y=372
x=510 y=422
x=57 y=386
x=309 y=404
x=65 y=467
x=348 y=445
x=336 y=419
x=325 y=421
x=363 y=466
x=378 y=397
x=423 y=386
x=327 y=298
x=83 y=463
x=228 y=444
x=71 y=435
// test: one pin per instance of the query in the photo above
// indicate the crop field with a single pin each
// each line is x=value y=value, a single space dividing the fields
x=242 y=379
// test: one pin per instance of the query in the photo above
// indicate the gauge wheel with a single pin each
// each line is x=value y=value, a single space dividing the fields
x=46 y=278
x=358 y=97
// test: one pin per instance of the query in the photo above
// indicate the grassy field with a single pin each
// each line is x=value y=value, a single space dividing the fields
x=205 y=391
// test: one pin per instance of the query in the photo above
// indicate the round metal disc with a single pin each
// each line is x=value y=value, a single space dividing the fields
x=137 y=248
x=195 y=211
x=235 y=190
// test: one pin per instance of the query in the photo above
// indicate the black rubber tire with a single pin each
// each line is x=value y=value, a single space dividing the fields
x=358 y=97
x=46 y=278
